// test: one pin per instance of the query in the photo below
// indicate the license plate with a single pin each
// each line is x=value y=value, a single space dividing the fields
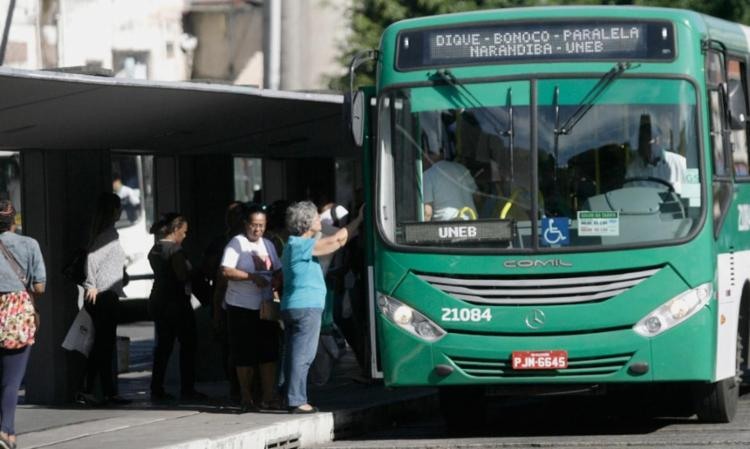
x=539 y=359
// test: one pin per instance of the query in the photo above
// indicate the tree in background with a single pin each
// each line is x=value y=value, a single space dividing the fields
x=370 y=17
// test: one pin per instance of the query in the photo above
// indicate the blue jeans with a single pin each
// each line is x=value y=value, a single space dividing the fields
x=14 y=363
x=301 y=333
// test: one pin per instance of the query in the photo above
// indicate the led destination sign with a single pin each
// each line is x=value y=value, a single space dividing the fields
x=457 y=231
x=575 y=40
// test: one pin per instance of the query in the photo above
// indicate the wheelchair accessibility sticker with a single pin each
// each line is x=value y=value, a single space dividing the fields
x=555 y=231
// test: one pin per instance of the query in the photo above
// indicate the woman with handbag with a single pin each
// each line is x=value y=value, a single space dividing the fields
x=249 y=264
x=22 y=277
x=105 y=265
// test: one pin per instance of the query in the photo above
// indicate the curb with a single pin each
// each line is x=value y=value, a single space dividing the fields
x=321 y=428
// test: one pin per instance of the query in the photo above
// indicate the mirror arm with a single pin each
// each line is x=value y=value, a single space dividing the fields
x=359 y=59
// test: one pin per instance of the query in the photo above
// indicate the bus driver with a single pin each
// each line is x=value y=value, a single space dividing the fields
x=655 y=161
x=448 y=186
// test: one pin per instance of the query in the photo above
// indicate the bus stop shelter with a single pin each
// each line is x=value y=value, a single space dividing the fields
x=65 y=127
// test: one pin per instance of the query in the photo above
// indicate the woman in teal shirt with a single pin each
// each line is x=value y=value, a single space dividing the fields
x=304 y=295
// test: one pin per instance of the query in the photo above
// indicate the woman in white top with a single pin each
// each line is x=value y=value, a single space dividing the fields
x=249 y=263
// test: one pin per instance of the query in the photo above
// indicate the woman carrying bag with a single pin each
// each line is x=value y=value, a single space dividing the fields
x=248 y=264
x=22 y=276
x=105 y=265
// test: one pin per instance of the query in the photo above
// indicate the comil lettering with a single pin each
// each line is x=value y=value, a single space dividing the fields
x=534 y=263
x=453 y=232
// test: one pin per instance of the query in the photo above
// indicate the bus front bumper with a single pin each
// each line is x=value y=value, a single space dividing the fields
x=683 y=353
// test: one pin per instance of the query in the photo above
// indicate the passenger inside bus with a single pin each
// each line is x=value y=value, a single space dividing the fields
x=448 y=186
x=655 y=162
x=500 y=170
x=130 y=197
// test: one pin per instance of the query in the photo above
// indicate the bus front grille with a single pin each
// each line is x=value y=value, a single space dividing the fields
x=533 y=290
x=580 y=366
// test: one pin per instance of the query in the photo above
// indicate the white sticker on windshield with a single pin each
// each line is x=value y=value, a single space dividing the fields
x=598 y=224
x=743 y=217
x=691 y=189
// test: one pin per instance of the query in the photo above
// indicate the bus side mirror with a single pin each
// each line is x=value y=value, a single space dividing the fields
x=737 y=105
x=357 y=120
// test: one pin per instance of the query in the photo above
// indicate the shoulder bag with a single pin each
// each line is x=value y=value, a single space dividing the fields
x=18 y=317
x=270 y=308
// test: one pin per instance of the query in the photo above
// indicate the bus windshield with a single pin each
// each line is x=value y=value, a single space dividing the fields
x=457 y=168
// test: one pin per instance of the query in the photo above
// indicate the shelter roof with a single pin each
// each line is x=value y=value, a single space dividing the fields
x=54 y=110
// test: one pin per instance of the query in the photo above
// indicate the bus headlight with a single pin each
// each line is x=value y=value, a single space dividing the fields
x=409 y=319
x=674 y=311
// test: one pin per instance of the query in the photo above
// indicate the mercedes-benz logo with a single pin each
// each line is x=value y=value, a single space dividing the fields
x=535 y=319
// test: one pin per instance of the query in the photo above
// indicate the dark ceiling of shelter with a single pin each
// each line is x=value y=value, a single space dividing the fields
x=62 y=111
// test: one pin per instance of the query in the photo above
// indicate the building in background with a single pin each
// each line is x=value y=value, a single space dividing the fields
x=170 y=40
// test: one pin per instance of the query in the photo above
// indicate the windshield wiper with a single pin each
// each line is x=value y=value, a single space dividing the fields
x=449 y=78
x=510 y=134
x=586 y=104
x=589 y=99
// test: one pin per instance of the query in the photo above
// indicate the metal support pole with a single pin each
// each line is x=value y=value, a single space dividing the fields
x=6 y=31
x=272 y=44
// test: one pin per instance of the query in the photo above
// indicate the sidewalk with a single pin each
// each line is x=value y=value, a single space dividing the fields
x=348 y=407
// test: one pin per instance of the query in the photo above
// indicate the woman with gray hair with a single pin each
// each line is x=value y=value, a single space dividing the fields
x=303 y=296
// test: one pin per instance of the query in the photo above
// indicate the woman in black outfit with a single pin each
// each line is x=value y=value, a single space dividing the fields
x=170 y=307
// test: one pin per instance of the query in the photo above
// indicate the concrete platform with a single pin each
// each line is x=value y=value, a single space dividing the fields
x=348 y=404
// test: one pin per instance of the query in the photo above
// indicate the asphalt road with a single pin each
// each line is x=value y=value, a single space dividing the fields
x=633 y=421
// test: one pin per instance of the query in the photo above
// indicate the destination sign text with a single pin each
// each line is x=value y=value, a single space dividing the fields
x=514 y=42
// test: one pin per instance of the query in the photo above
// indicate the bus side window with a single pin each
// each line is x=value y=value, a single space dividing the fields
x=722 y=184
x=737 y=75
x=716 y=104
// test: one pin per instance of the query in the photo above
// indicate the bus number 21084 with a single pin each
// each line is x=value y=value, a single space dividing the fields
x=473 y=314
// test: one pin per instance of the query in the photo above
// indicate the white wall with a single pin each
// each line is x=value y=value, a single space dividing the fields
x=311 y=33
x=91 y=30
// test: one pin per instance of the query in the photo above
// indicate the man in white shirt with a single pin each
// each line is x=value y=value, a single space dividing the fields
x=130 y=197
x=655 y=161
x=329 y=223
x=448 y=187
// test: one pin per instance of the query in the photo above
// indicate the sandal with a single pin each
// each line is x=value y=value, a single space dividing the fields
x=303 y=411
x=5 y=443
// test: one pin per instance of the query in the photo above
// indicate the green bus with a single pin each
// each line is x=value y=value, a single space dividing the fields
x=560 y=203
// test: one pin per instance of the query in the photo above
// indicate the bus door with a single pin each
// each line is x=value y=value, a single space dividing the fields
x=362 y=122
